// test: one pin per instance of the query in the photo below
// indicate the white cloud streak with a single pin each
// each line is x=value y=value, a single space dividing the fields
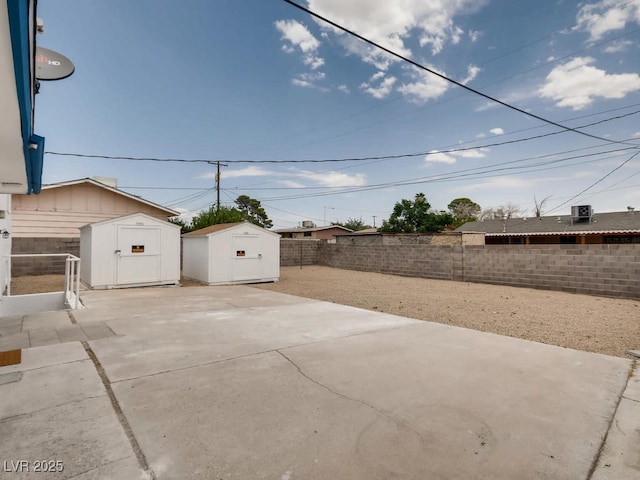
x=606 y=16
x=299 y=36
x=577 y=83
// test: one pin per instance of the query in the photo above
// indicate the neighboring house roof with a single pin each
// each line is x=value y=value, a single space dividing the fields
x=600 y=223
x=91 y=181
x=311 y=229
x=224 y=226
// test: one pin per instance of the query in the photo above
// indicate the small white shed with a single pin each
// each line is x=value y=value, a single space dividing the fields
x=131 y=251
x=230 y=253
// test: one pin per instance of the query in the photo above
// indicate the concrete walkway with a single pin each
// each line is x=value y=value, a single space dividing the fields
x=236 y=382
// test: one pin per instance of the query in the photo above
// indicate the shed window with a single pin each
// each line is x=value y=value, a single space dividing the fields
x=307 y=234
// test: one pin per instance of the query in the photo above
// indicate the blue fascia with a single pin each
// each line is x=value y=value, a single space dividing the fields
x=33 y=145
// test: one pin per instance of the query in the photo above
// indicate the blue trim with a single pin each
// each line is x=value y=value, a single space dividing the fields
x=18 y=12
x=36 y=160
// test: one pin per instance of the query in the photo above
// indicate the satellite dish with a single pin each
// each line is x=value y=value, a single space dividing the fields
x=52 y=65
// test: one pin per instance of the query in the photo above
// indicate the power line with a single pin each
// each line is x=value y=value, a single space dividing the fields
x=444 y=77
x=596 y=182
x=361 y=159
x=452 y=176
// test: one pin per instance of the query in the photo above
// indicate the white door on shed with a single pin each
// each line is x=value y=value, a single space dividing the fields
x=247 y=258
x=138 y=254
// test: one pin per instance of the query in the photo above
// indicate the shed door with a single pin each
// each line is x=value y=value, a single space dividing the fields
x=247 y=257
x=138 y=254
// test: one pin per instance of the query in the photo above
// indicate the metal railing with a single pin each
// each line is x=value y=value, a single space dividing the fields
x=71 y=276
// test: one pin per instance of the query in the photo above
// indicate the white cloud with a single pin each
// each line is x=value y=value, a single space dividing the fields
x=246 y=172
x=449 y=157
x=391 y=23
x=334 y=179
x=381 y=90
x=474 y=35
x=619 y=46
x=497 y=131
x=439 y=157
x=472 y=72
x=497 y=183
x=636 y=135
x=376 y=76
x=299 y=36
x=241 y=172
x=575 y=84
x=291 y=183
x=605 y=16
x=481 y=135
x=344 y=88
x=473 y=153
x=308 y=80
x=426 y=87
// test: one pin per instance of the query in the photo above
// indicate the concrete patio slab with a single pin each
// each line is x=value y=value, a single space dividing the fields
x=168 y=341
x=235 y=382
x=620 y=458
x=57 y=410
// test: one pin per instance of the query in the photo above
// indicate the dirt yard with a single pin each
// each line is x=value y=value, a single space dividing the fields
x=595 y=324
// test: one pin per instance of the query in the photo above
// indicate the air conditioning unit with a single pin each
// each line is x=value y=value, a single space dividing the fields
x=581 y=213
x=308 y=224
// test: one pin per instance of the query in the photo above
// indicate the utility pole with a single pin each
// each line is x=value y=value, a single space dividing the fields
x=218 y=183
x=374 y=221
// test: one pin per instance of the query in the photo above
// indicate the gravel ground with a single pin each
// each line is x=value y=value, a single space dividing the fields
x=594 y=324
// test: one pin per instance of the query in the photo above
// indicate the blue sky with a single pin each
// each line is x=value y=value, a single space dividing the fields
x=261 y=80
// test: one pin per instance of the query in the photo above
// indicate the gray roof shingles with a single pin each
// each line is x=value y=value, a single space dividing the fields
x=614 y=222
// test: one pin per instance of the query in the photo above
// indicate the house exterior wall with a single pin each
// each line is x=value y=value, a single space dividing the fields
x=60 y=212
x=608 y=270
x=5 y=243
x=325 y=234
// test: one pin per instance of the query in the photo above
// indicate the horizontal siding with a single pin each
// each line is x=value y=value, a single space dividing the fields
x=39 y=224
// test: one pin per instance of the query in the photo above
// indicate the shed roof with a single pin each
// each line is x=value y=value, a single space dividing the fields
x=211 y=229
x=130 y=215
x=219 y=227
x=600 y=223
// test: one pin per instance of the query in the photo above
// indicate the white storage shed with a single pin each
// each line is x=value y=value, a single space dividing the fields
x=130 y=251
x=230 y=253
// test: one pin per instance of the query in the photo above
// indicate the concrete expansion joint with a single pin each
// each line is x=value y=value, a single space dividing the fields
x=124 y=422
x=397 y=422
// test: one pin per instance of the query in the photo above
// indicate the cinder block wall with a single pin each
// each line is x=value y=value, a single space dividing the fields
x=609 y=270
x=41 y=265
x=296 y=252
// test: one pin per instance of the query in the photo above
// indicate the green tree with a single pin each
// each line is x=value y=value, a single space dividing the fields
x=215 y=215
x=253 y=211
x=354 y=224
x=463 y=210
x=184 y=226
x=416 y=217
